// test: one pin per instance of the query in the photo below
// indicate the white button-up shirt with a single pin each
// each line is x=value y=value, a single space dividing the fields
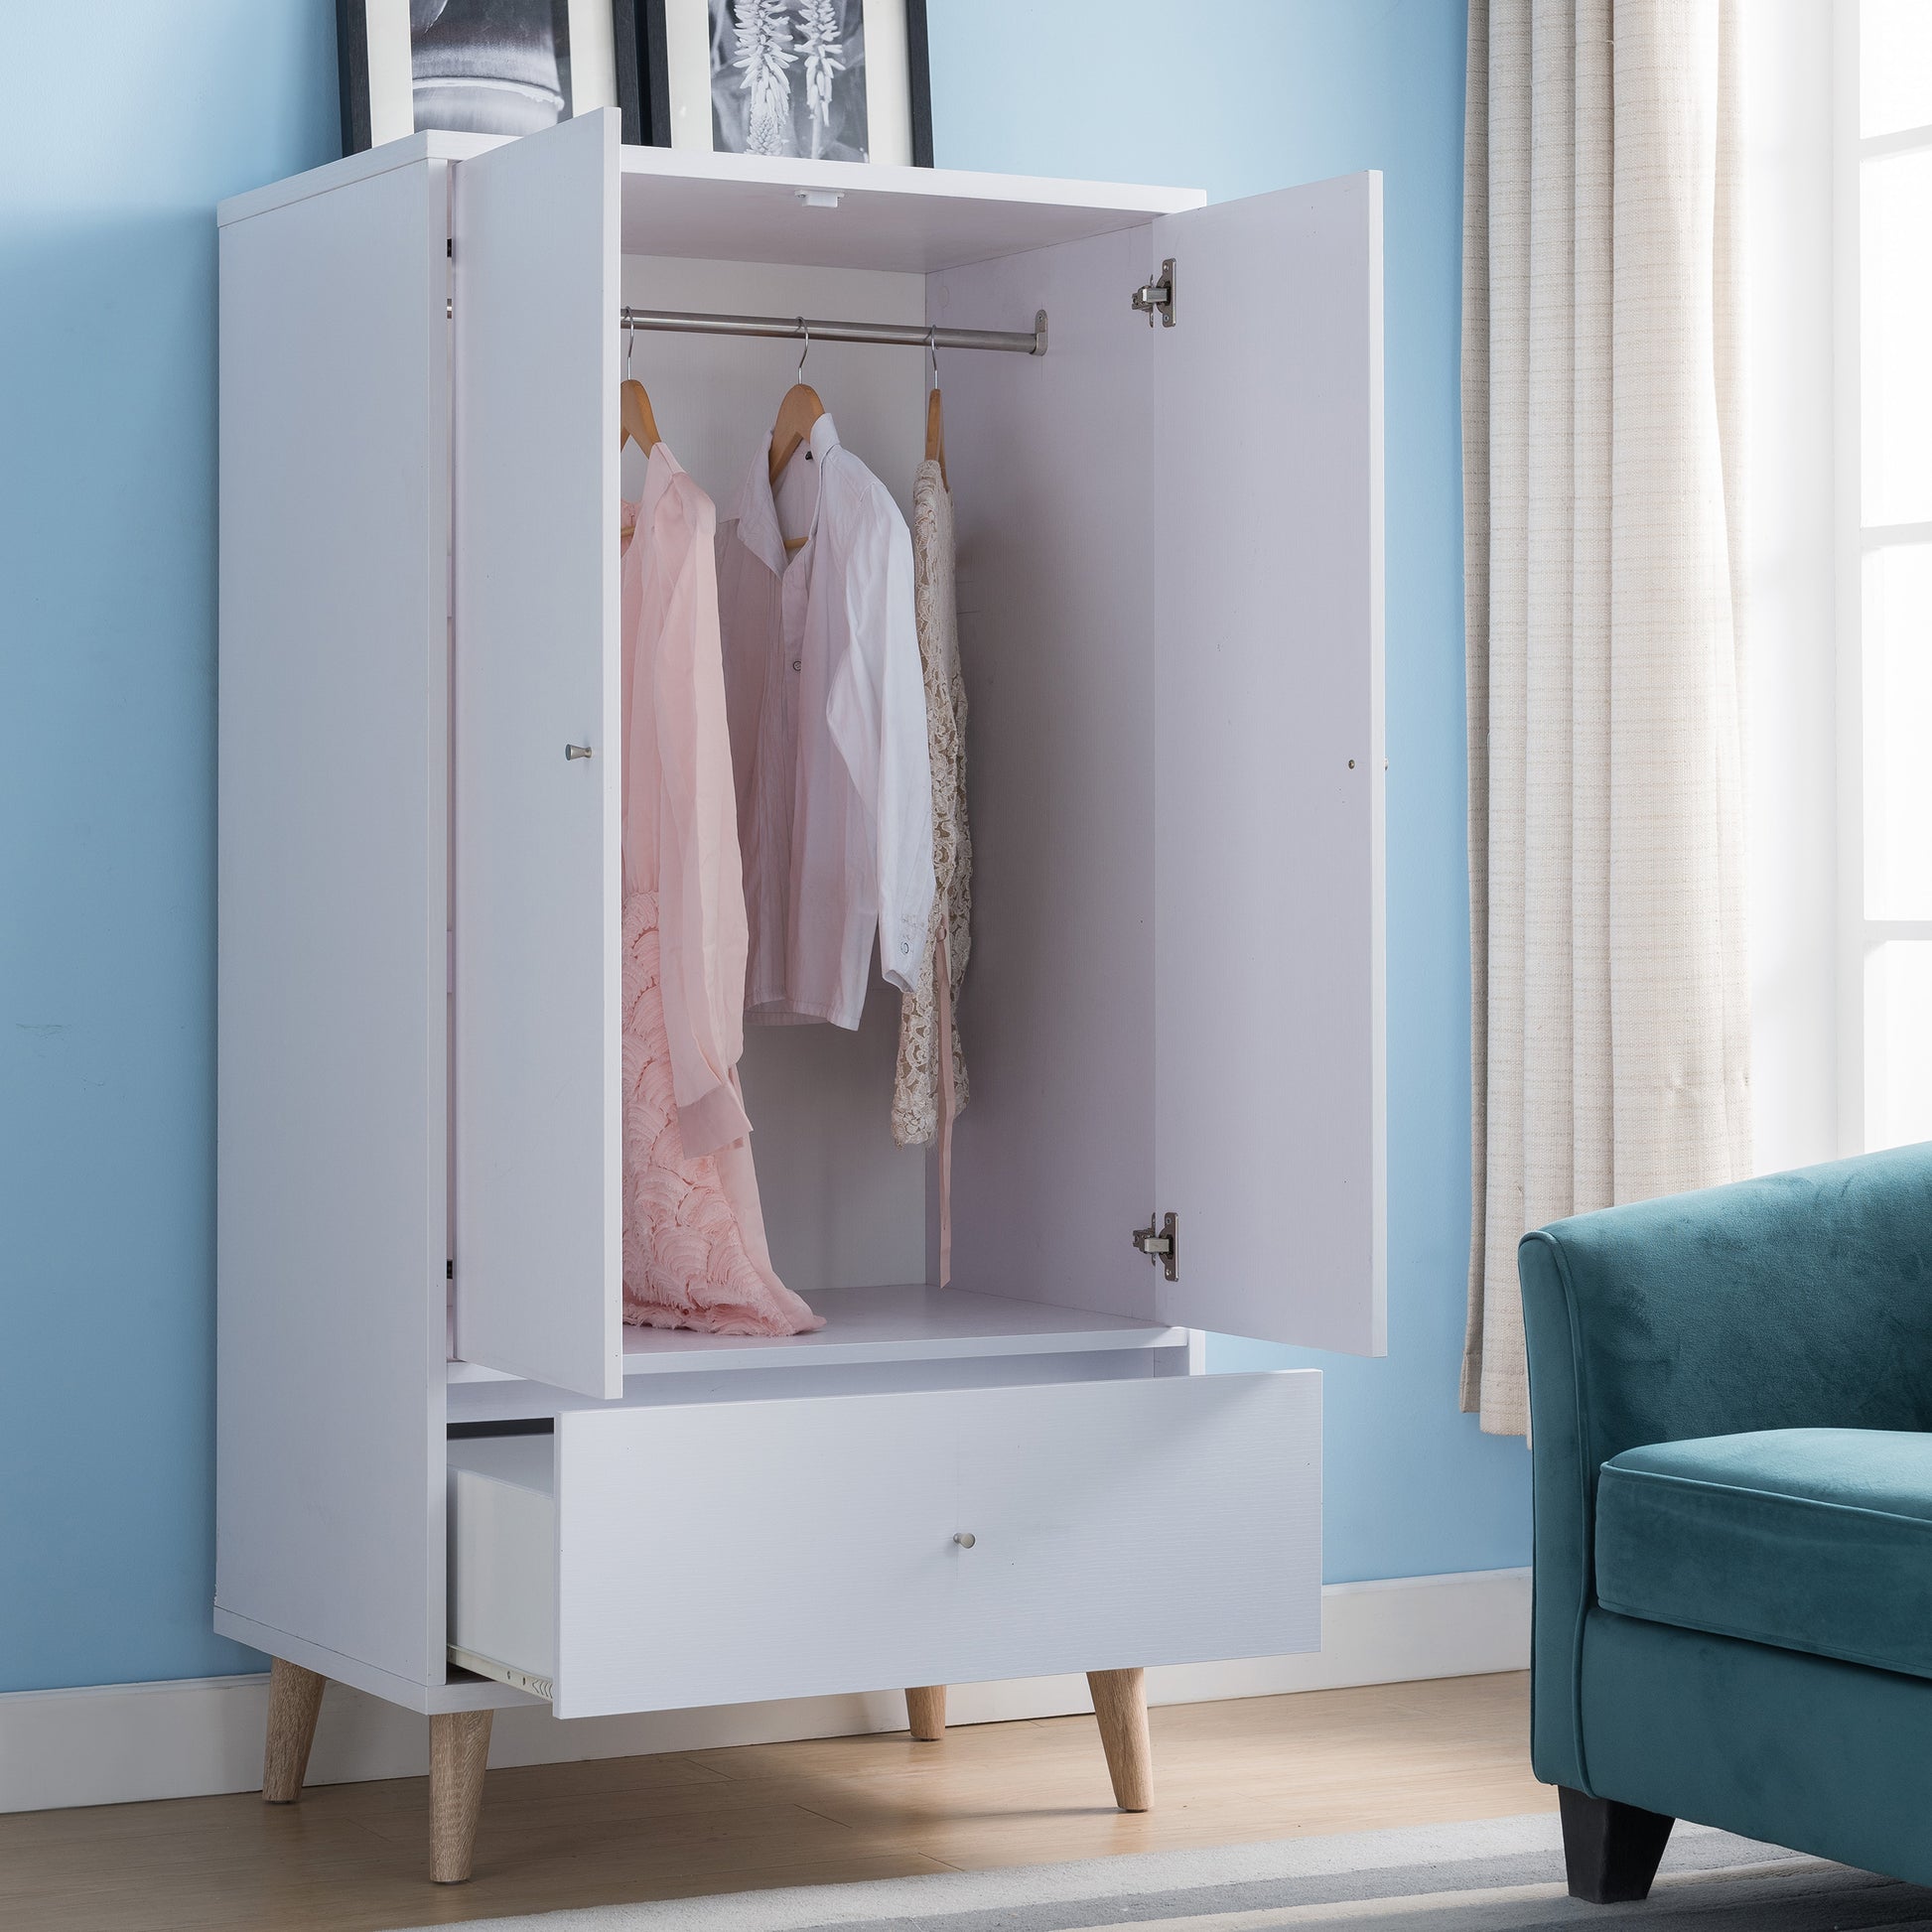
x=826 y=703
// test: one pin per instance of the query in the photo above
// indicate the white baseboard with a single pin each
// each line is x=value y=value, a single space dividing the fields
x=116 y=1742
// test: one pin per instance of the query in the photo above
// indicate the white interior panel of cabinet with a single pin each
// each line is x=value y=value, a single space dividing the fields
x=538 y=1208
x=1268 y=761
x=1058 y=481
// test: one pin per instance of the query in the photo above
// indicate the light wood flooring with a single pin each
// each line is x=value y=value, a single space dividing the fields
x=352 y=1858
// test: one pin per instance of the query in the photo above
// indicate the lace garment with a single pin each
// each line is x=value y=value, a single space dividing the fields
x=916 y=1090
x=694 y=1253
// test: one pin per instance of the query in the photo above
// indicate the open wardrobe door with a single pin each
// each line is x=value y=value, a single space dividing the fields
x=539 y=1178
x=1269 y=1129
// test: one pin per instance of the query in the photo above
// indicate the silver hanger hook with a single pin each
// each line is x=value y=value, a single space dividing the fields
x=932 y=349
x=806 y=350
x=630 y=343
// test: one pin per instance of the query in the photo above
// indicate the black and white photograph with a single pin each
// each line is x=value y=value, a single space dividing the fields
x=788 y=78
x=480 y=67
x=489 y=67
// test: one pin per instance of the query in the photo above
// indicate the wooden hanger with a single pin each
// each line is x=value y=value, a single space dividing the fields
x=637 y=419
x=799 y=410
x=935 y=434
x=935 y=417
x=637 y=422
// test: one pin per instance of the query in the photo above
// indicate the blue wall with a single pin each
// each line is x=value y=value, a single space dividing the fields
x=127 y=123
x=123 y=126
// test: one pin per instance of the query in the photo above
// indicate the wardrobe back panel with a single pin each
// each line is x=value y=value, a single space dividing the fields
x=331 y=1205
x=843 y=1205
x=1055 y=482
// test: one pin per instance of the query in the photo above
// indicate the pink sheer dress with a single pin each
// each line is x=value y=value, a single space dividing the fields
x=694 y=1247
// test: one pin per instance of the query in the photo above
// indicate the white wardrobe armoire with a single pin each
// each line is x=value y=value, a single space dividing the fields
x=448 y=1474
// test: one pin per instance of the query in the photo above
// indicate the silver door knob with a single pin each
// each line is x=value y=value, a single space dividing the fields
x=964 y=1538
x=576 y=752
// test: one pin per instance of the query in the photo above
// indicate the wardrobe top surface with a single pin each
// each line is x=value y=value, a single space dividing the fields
x=883 y=1325
x=748 y=208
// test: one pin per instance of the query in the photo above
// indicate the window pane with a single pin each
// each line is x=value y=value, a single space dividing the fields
x=1894 y=65
x=1897 y=296
x=1897 y=633
x=1899 y=1044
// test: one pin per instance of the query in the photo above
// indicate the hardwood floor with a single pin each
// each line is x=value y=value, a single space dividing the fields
x=354 y=1857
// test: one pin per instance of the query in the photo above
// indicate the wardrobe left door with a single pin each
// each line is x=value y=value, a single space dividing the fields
x=536 y=695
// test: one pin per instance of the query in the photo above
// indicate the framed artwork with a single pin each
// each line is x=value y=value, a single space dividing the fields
x=832 y=80
x=482 y=66
x=818 y=80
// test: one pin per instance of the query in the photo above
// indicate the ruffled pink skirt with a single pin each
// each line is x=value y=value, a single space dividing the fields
x=694 y=1253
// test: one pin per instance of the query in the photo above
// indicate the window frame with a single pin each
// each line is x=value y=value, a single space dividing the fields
x=1860 y=936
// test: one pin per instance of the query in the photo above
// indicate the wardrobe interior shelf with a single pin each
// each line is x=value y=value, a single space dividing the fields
x=883 y=1325
x=743 y=207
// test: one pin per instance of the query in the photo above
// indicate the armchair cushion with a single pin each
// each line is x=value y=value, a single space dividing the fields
x=1818 y=1540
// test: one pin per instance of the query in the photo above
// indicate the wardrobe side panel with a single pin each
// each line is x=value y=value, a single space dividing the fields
x=331 y=1136
x=1055 y=484
x=1268 y=767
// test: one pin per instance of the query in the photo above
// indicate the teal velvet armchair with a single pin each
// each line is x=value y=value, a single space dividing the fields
x=1730 y=1394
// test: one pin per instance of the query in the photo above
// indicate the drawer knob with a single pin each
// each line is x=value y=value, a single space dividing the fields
x=964 y=1538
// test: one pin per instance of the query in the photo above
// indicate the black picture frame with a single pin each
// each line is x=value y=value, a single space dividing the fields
x=633 y=65
x=353 y=73
x=652 y=80
x=918 y=56
x=643 y=78
x=355 y=54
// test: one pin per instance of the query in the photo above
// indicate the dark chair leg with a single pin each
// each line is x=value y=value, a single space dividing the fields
x=1609 y=1851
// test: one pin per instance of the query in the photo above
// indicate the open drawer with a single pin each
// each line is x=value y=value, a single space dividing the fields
x=652 y=1558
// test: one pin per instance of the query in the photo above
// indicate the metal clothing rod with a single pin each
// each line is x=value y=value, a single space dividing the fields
x=907 y=335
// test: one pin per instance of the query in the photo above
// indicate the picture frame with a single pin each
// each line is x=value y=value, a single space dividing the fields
x=826 y=80
x=486 y=67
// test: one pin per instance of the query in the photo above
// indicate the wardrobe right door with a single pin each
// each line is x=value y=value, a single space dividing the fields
x=1268 y=767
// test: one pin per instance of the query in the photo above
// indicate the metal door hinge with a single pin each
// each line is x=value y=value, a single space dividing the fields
x=1161 y=1242
x=1157 y=298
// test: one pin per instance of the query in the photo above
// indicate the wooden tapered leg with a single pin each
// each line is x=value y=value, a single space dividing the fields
x=1611 y=1852
x=293 y=1698
x=1119 y=1708
x=458 y=1749
x=925 y=1711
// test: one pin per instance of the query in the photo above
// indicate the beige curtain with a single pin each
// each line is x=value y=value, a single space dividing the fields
x=1602 y=397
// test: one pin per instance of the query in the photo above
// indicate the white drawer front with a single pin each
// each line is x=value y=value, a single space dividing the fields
x=717 y=1555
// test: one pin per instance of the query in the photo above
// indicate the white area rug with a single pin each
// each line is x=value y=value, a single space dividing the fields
x=1499 y=1874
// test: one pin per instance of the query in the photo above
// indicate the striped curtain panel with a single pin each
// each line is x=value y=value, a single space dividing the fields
x=1603 y=464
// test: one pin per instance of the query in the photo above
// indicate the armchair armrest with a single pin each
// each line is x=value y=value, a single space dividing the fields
x=1797 y=1301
